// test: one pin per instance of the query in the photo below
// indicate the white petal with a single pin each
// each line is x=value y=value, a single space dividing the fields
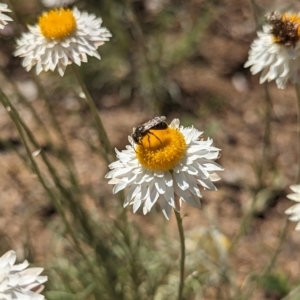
x=136 y=204
x=294 y=197
x=119 y=186
x=206 y=183
x=165 y=207
x=295 y=188
x=160 y=185
x=181 y=180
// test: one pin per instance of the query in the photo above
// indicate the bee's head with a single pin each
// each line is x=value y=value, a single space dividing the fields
x=137 y=134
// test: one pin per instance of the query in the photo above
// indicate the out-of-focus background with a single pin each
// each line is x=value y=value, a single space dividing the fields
x=181 y=59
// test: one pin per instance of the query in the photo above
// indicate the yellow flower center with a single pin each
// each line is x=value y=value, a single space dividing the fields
x=57 y=23
x=161 y=150
x=285 y=28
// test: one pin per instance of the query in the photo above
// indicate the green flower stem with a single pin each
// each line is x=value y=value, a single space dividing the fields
x=182 y=250
x=102 y=136
x=298 y=106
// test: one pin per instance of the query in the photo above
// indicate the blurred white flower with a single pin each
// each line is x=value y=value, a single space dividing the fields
x=3 y=17
x=61 y=37
x=275 y=52
x=16 y=283
x=167 y=165
x=294 y=211
x=57 y=3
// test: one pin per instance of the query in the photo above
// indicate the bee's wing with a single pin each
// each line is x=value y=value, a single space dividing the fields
x=153 y=122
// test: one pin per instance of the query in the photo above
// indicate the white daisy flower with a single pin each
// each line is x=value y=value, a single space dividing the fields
x=3 y=17
x=275 y=52
x=167 y=165
x=18 y=283
x=57 y=3
x=294 y=211
x=61 y=37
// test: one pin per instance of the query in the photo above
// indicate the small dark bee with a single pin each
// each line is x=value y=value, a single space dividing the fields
x=158 y=123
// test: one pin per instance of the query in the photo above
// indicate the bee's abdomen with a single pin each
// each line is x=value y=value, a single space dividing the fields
x=161 y=125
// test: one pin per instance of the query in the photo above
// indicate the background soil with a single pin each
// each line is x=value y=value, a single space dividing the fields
x=214 y=92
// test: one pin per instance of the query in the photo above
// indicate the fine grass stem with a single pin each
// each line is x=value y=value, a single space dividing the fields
x=298 y=129
x=182 y=254
x=67 y=157
x=53 y=196
x=26 y=103
x=107 y=150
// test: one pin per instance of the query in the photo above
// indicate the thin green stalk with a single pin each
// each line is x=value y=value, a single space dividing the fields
x=75 y=206
x=16 y=120
x=68 y=157
x=298 y=107
x=47 y=101
x=9 y=145
x=102 y=135
x=292 y=294
x=182 y=256
x=264 y=165
x=26 y=103
x=275 y=254
x=137 y=32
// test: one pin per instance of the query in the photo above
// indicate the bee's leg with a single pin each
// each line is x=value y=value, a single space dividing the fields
x=156 y=137
x=148 y=138
x=140 y=143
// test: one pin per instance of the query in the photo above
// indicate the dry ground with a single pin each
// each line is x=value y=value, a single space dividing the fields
x=219 y=97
